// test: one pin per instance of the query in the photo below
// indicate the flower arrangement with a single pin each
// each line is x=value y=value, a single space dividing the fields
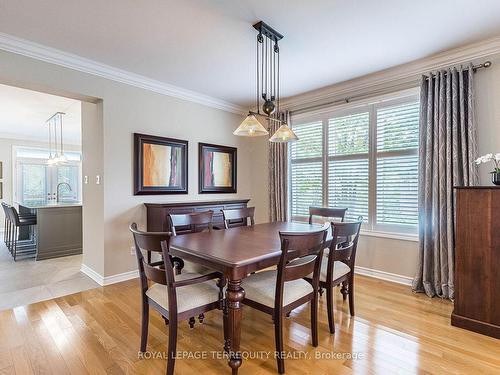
x=495 y=173
x=490 y=157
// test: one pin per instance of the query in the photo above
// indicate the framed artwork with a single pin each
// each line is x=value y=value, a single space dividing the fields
x=217 y=168
x=160 y=165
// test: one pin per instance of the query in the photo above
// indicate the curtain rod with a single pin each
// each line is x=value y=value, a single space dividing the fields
x=486 y=64
x=387 y=90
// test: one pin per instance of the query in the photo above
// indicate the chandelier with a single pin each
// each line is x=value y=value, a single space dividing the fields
x=268 y=89
x=56 y=151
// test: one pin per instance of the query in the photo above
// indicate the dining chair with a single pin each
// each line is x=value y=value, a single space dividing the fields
x=277 y=292
x=236 y=217
x=337 y=266
x=192 y=223
x=327 y=212
x=176 y=297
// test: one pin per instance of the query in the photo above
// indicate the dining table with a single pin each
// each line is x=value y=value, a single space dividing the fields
x=236 y=253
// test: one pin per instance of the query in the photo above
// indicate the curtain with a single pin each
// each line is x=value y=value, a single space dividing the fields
x=278 y=175
x=447 y=150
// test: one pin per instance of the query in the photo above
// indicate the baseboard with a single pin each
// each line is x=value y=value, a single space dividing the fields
x=382 y=275
x=108 y=280
x=118 y=278
x=98 y=278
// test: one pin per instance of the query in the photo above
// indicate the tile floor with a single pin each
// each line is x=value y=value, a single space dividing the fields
x=28 y=281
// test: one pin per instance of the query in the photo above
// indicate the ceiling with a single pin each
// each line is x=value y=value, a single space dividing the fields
x=23 y=114
x=208 y=46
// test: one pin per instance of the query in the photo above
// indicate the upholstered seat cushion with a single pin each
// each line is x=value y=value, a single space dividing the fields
x=189 y=296
x=261 y=287
x=339 y=269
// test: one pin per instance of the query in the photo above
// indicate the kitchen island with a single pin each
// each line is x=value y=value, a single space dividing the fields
x=58 y=231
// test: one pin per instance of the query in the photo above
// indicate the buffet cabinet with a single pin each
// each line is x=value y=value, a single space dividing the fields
x=477 y=260
x=157 y=213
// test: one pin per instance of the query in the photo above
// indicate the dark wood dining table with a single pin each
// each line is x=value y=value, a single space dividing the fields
x=236 y=252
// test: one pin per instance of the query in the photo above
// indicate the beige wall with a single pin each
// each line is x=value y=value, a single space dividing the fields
x=125 y=110
x=488 y=114
x=93 y=193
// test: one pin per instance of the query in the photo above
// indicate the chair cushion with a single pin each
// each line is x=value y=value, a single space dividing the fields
x=339 y=269
x=261 y=287
x=189 y=296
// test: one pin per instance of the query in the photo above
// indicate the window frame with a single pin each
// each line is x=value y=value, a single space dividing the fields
x=371 y=106
x=51 y=175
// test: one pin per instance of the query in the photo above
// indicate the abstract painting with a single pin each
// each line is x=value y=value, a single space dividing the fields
x=160 y=165
x=217 y=168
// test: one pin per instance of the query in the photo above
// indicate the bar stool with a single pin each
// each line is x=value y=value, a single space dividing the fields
x=7 y=225
x=16 y=223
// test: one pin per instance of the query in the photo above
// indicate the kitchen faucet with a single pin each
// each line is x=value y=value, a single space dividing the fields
x=58 y=186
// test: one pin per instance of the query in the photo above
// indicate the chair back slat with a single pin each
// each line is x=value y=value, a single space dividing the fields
x=343 y=253
x=196 y=221
x=300 y=267
x=344 y=243
x=237 y=216
x=327 y=212
x=155 y=274
x=300 y=256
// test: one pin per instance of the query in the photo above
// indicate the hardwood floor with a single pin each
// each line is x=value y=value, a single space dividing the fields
x=97 y=332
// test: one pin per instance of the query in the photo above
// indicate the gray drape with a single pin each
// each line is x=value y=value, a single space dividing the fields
x=447 y=150
x=278 y=175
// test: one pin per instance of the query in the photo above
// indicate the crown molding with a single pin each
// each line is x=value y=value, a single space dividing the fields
x=395 y=78
x=68 y=60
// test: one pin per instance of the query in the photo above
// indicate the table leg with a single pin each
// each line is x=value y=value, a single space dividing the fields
x=234 y=296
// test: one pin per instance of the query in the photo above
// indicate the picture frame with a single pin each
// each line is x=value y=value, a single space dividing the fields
x=217 y=169
x=160 y=165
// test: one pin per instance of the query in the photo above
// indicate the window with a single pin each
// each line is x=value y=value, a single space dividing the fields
x=37 y=180
x=363 y=158
x=307 y=168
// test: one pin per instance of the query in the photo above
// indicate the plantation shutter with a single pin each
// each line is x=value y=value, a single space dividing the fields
x=397 y=164
x=306 y=168
x=348 y=168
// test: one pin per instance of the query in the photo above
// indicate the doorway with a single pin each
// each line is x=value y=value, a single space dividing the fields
x=47 y=257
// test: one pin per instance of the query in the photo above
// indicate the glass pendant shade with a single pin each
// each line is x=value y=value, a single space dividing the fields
x=283 y=134
x=250 y=127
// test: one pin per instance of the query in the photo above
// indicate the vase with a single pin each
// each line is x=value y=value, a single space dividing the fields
x=495 y=178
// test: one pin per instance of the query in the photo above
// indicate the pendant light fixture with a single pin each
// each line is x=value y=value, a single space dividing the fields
x=268 y=89
x=56 y=150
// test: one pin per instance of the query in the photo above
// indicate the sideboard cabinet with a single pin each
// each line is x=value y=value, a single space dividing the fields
x=157 y=213
x=477 y=260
